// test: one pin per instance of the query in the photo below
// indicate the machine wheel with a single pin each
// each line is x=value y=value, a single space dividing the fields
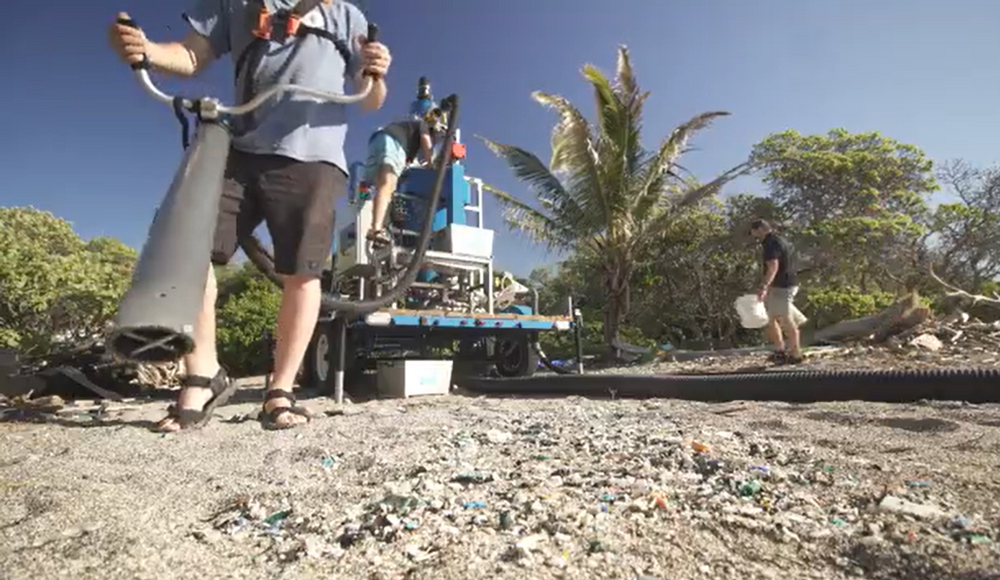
x=316 y=366
x=515 y=357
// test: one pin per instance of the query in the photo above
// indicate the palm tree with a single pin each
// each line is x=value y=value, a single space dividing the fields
x=603 y=194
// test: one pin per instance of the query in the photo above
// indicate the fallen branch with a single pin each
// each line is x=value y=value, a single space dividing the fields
x=898 y=318
x=956 y=292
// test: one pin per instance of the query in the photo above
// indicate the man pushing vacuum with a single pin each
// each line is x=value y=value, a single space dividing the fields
x=278 y=157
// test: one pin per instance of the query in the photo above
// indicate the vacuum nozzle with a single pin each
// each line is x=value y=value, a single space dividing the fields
x=151 y=344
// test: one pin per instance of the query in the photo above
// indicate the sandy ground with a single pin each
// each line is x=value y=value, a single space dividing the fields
x=464 y=487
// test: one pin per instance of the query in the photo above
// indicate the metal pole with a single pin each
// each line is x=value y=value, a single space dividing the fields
x=577 y=334
x=265 y=339
x=338 y=354
x=156 y=316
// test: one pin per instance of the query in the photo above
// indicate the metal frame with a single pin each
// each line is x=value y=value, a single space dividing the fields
x=415 y=326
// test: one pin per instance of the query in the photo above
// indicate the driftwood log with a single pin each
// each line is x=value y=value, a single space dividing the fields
x=898 y=319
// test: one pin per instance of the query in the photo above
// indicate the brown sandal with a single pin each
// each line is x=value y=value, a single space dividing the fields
x=222 y=389
x=269 y=419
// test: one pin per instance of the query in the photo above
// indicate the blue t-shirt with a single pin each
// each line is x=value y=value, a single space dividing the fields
x=291 y=125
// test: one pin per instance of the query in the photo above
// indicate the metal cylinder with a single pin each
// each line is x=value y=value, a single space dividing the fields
x=338 y=354
x=577 y=318
x=156 y=317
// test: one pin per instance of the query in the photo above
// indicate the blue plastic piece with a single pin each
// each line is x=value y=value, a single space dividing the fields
x=420 y=107
x=517 y=309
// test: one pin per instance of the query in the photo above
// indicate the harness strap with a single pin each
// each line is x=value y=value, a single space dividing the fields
x=262 y=24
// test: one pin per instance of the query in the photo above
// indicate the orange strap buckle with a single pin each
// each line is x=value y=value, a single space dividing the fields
x=263 y=29
x=292 y=25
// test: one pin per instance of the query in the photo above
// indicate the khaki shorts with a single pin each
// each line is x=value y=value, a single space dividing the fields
x=780 y=303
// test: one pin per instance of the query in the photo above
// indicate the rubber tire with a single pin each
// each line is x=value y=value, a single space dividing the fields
x=470 y=359
x=526 y=363
x=315 y=365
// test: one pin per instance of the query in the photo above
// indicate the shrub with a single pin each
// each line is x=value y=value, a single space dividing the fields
x=829 y=305
x=243 y=318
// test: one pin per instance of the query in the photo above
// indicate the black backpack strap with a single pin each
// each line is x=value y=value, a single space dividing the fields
x=304 y=7
x=339 y=43
x=250 y=58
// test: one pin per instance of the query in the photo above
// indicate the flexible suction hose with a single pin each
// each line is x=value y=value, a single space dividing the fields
x=957 y=384
x=262 y=258
x=547 y=363
x=537 y=346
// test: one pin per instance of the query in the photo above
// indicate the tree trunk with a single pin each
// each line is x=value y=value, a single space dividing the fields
x=615 y=308
x=901 y=316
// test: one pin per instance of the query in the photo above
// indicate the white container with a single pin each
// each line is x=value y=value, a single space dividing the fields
x=409 y=378
x=467 y=241
x=752 y=312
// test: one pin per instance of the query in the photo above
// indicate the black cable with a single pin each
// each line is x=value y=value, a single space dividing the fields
x=179 y=112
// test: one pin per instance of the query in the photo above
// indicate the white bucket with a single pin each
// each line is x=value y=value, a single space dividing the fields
x=752 y=312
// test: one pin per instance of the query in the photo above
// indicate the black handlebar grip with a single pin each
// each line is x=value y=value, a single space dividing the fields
x=372 y=37
x=144 y=63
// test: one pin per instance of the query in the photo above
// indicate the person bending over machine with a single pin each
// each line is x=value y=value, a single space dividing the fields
x=390 y=150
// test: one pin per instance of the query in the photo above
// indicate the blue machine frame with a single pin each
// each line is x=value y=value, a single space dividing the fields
x=460 y=256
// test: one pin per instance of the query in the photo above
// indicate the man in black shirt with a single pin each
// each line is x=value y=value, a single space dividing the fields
x=390 y=150
x=777 y=292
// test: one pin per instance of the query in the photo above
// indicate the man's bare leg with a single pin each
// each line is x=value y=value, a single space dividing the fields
x=203 y=360
x=773 y=332
x=385 y=187
x=791 y=337
x=297 y=318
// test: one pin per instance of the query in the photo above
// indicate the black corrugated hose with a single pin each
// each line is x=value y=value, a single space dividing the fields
x=974 y=385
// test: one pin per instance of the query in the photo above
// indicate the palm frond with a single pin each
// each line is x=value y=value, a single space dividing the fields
x=661 y=165
x=696 y=195
x=572 y=144
x=619 y=124
x=605 y=102
x=624 y=75
x=530 y=169
x=560 y=212
x=574 y=153
x=538 y=226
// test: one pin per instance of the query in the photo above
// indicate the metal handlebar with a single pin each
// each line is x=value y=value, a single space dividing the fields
x=142 y=67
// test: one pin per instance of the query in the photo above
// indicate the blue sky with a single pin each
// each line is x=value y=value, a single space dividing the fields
x=84 y=142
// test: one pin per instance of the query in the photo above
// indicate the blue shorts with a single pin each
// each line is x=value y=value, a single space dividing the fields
x=384 y=149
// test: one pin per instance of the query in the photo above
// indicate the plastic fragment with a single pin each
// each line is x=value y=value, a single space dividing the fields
x=750 y=488
x=277 y=517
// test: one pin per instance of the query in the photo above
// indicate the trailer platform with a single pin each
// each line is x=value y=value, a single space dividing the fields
x=504 y=340
x=463 y=320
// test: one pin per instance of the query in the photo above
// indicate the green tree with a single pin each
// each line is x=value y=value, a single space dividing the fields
x=235 y=278
x=53 y=285
x=857 y=203
x=697 y=267
x=966 y=235
x=603 y=194
x=243 y=318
